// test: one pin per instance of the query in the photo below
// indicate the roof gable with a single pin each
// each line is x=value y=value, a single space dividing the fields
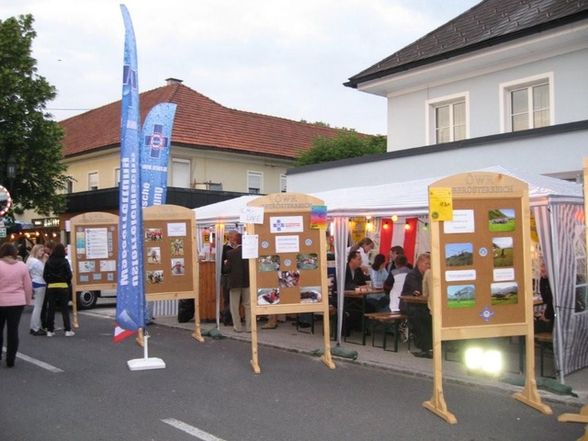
x=488 y=23
x=200 y=122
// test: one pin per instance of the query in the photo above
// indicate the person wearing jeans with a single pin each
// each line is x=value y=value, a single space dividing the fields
x=16 y=291
x=36 y=264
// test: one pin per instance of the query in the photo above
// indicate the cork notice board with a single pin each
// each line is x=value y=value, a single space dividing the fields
x=481 y=268
x=94 y=251
x=290 y=273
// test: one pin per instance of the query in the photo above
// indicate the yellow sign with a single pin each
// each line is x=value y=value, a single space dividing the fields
x=440 y=204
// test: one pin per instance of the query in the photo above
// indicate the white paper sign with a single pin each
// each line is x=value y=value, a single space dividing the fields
x=96 y=243
x=176 y=229
x=249 y=244
x=286 y=224
x=503 y=274
x=287 y=244
x=463 y=222
x=460 y=275
x=251 y=215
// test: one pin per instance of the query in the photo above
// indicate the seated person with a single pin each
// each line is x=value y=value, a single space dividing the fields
x=419 y=318
x=378 y=274
x=395 y=282
x=354 y=276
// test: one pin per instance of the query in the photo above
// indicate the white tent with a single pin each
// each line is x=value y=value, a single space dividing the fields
x=556 y=205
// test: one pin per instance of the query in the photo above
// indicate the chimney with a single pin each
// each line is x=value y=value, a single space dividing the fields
x=172 y=81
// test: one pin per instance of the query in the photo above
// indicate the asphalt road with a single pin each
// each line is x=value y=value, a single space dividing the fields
x=208 y=392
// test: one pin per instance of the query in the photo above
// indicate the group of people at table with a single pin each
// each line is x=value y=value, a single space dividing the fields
x=394 y=278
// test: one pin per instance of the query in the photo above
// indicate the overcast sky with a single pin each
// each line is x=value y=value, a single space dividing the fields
x=285 y=58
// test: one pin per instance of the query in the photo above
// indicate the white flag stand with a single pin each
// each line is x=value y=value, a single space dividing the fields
x=145 y=363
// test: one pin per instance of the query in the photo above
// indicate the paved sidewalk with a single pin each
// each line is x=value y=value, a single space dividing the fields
x=288 y=338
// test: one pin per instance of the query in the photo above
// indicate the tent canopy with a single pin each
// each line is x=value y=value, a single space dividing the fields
x=408 y=198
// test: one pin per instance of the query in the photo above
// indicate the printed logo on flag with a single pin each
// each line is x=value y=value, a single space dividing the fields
x=156 y=141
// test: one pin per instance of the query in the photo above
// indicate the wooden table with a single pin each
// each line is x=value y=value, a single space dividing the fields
x=360 y=295
x=414 y=299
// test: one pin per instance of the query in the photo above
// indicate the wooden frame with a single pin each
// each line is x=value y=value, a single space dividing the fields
x=99 y=230
x=486 y=201
x=311 y=244
x=173 y=274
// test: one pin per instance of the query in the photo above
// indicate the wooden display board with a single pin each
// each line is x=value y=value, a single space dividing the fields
x=481 y=267
x=290 y=273
x=170 y=258
x=94 y=252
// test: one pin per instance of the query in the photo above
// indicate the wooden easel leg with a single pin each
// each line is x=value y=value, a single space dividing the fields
x=254 y=357
x=74 y=310
x=437 y=403
x=326 y=358
x=529 y=395
x=197 y=334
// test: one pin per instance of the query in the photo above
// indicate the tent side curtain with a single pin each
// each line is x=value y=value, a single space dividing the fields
x=561 y=235
x=568 y=229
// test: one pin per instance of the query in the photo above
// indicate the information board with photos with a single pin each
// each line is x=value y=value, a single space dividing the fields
x=287 y=267
x=481 y=271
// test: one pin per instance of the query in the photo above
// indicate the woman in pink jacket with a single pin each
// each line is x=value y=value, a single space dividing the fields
x=16 y=291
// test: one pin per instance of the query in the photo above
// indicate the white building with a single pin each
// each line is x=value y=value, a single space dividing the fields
x=503 y=84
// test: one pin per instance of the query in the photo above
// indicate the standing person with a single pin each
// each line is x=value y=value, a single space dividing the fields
x=544 y=322
x=35 y=265
x=57 y=274
x=419 y=318
x=16 y=291
x=226 y=312
x=238 y=270
x=364 y=246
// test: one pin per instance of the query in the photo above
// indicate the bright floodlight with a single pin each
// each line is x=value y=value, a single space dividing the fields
x=492 y=362
x=473 y=358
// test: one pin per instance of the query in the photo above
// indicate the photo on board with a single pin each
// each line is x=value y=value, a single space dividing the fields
x=461 y=296
x=502 y=251
x=310 y=294
x=153 y=255
x=501 y=220
x=155 y=277
x=459 y=254
x=153 y=234
x=266 y=264
x=268 y=296
x=288 y=279
x=307 y=261
x=505 y=293
x=176 y=247
x=177 y=266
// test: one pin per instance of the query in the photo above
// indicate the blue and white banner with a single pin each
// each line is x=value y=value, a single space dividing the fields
x=130 y=303
x=155 y=146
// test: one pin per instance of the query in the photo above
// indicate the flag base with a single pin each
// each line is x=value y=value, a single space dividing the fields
x=142 y=364
x=146 y=363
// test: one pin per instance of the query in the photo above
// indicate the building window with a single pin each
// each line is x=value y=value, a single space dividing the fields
x=254 y=181
x=447 y=118
x=283 y=184
x=180 y=173
x=527 y=103
x=93 y=181
x=117 y=177
x=69 y=188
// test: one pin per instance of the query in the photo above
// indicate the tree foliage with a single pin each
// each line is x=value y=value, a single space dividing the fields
x=27 y=135
x=348 y=144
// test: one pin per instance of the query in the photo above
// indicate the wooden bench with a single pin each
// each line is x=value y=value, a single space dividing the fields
x=545 y=341
x=385 y=320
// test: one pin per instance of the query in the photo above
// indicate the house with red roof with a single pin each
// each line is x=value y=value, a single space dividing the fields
x=216 y=152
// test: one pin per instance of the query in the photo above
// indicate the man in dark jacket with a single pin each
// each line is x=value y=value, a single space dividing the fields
x=238 y=280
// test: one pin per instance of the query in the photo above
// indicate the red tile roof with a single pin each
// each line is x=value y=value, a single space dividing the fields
x=199 y=123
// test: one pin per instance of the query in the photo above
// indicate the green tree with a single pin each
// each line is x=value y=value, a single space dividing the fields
x=348 y=144
x=28 y=138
